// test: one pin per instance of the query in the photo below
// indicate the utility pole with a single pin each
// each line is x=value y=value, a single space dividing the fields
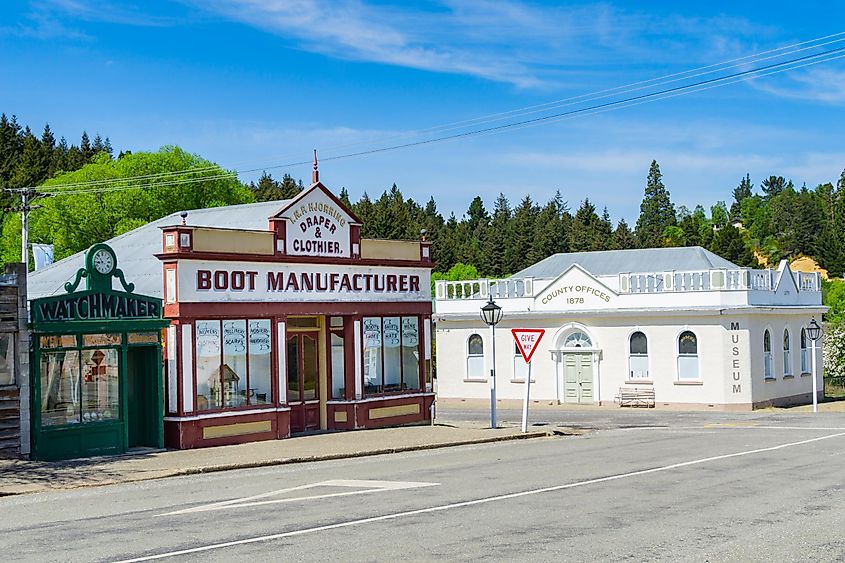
x=26 y=195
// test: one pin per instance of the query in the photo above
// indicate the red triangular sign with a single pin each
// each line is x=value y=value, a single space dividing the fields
x=527 y=340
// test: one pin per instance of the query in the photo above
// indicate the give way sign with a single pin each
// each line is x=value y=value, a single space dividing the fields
x=527 y=340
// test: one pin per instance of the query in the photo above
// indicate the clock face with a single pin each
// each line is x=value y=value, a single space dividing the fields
x=103 y=261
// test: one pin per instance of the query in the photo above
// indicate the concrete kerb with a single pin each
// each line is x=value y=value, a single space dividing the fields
x=138 y=474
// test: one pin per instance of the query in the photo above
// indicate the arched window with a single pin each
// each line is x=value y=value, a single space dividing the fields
x=787 y=356
x=577 y=340
x=768 y=372
x=475 y=357
x=805 y=354
x=638 y=356
x=688 y=356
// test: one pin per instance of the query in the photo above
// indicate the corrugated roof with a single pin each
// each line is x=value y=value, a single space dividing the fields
x=614 y=262
x=135 y=250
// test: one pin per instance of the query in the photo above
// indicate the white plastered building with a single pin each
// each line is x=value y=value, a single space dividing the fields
x=692 y=327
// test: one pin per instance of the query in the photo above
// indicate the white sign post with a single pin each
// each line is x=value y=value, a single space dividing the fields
x=527 y=340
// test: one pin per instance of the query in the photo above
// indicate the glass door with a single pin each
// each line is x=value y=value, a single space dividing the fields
x=303 y=391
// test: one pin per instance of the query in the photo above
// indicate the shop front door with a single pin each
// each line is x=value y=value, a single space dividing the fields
x=303 y=371
x=578 y=378
x=141 y=388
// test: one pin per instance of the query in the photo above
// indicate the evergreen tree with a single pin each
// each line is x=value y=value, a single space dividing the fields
x=494 y=257
x=656 y=210
x=623 y=237
x=729 y=244
x=743 y=190
x=586 y=232
x=773 y=185
x=521 y=229
x=343 y=196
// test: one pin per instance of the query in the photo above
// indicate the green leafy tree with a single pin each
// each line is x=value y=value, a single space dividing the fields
x=745 y=189
x=73 y=220
x=656 y=210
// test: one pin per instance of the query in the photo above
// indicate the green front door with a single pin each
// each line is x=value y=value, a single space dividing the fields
x=142 y=408
x=578 y=378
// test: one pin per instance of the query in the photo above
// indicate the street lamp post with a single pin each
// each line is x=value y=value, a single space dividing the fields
x=814 y=331
x=491 y=314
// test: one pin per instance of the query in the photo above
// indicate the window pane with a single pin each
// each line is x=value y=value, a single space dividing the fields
x=303 y=322
x=767 y=342
x=233 y=389
x=803 y=339
x=410 y=353
x=687 y=367
x=767 y=365
x=475 y=367
x=687 y=343
x=338 y=368
x=7 y=359
x=786 y=340
x=372 y=355
x=100 y=384
x=309 y=367
x=109 y=339
x=260 y=392
x=639 y=367
x=639 y=343
x=805 y=360
x=59 y=341
x=293 y=370
x=60 y=400
x=208 y=350
x=520 y=368
x=475 y=345
x=392 y=354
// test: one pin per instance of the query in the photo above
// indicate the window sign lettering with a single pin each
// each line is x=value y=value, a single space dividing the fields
x=410 y=331
x=372 y=332
x=392 y=336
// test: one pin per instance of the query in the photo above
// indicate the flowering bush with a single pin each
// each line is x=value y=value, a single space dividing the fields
x=833 y=345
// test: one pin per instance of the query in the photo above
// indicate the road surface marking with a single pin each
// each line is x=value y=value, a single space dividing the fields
x=474 y=502
x=367 y=486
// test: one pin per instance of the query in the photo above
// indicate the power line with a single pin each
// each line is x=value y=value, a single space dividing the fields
x=779 y=67
x=583 y=98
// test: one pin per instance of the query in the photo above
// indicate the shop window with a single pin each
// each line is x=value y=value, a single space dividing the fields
x=688 y=356
x=805 y=353
x=80 y=387
x=768 y=371
x=391 y=354
x=304 y=322
x=638 y=356
x=7 y=358
x=338 y=360
x=60 y=393
x=520 y=366
x=233 y=363
x=787 y=357
x=100 y=384
x=475 y=357
x=410 y=353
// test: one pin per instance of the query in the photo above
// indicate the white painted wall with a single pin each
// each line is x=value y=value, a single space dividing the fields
x=730 y=361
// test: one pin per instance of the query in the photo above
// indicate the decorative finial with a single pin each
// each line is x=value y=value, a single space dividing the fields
x=184 y=216
x=315 y=176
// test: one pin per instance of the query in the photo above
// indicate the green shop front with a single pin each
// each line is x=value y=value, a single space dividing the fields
x=96 y=365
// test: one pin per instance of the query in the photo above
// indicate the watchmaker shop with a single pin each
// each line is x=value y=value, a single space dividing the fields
x=96 y=369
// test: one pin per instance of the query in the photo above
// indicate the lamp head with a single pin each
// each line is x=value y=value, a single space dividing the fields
x=814 y=331
x=491 y=313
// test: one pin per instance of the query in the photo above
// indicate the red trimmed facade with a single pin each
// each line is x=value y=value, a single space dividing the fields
x=301 y=327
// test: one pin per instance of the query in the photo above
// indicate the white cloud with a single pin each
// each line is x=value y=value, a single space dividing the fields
x=520 y=43
x=818 y=84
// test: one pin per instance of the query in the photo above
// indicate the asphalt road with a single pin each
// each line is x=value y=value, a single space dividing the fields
x=745 y=488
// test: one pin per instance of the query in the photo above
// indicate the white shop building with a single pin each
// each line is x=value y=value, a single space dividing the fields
x=695 y=329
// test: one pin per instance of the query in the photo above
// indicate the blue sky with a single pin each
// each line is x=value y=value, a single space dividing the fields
x=259 y=83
